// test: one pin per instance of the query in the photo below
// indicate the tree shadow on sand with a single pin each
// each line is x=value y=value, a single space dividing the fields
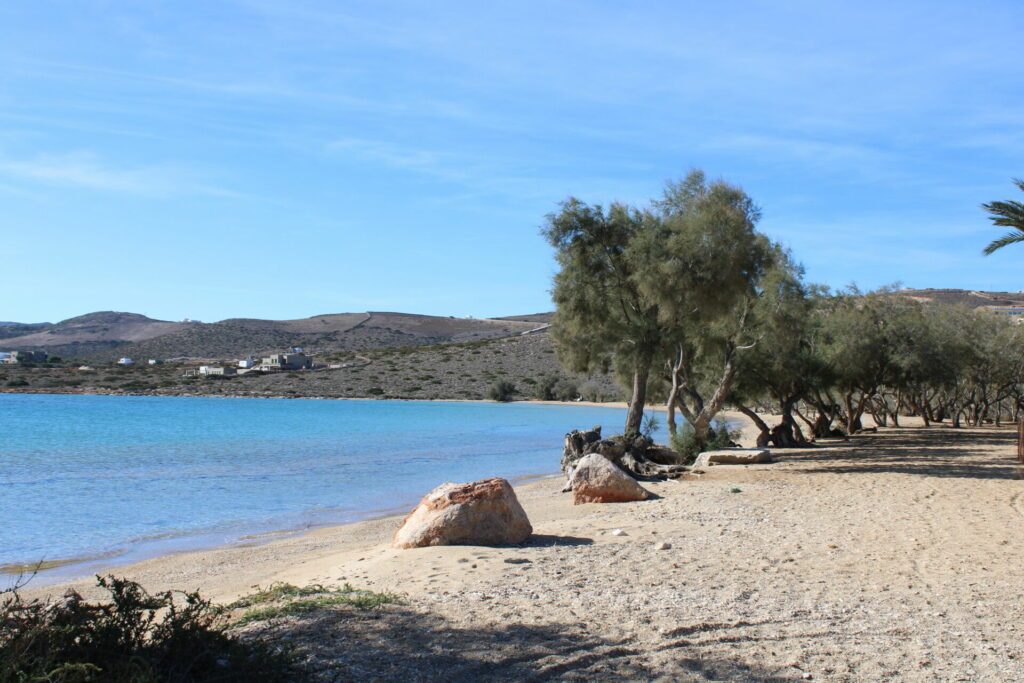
x=553 y=541
x=929 y=452
x=400 y=643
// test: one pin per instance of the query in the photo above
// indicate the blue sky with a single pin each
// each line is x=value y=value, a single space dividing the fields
x=284 y=159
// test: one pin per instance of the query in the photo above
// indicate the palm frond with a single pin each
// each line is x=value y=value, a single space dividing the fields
x=1008 y=238
x=1006 y=214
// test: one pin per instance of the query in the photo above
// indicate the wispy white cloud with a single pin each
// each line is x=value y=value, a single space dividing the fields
x=84 y=170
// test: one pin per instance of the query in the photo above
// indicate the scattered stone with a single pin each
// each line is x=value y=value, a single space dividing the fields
x=517 y=560
x=618 y=532
x=663 y=546
x=733 y=456
x=483 y=512
x=597 y=480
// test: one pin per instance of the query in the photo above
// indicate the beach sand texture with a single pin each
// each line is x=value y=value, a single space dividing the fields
x=893 y=556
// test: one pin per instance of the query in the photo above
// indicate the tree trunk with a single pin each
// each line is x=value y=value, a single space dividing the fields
x=635 y=416
x=702 y=425
x=807 y=421
x=765 y=430
x=675 y=370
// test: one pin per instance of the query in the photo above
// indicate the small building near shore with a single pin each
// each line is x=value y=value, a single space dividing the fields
x=126 y=361
x=247 y=362
x=19 y=357
x=286 y=361
x=155 y=361
x=217 y=370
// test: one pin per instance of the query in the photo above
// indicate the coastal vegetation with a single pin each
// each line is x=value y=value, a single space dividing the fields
x=133 y=636
x=285 y=599
x=688 y=304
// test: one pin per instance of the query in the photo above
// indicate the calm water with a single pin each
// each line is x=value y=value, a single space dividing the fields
x=103 y=476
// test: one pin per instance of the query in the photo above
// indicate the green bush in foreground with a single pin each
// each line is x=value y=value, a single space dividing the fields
x=136 y=636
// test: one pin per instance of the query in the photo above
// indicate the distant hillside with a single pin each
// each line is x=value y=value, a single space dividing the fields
x=90 y=333
x=539 y=318
x=12 y=329
x=466 y=370
x=964 y=297
x=107 y=335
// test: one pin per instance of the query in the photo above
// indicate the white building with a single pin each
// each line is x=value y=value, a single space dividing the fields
x=217 y=370
x=247 y=362
x=125 y=361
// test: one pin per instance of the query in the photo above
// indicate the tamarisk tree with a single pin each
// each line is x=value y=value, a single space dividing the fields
x=639 y=285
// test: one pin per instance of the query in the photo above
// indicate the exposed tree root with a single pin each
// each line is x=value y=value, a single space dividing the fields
x=642 y=459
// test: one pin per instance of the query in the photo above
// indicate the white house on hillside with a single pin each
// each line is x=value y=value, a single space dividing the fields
x=125 y=361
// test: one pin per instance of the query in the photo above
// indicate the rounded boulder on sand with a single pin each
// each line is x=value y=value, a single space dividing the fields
x=484 y=512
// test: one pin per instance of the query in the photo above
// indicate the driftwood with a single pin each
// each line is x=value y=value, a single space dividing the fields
x=643 y=459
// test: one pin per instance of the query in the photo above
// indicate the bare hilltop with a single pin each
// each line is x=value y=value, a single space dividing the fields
x=108 y=335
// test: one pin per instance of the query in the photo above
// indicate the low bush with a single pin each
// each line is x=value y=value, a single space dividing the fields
x=685 y=442
x=285 y=599
x=73 y=640
x=502 y=391
x=553 y=387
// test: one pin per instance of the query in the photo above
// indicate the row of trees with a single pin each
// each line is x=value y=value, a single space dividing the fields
x=690 y=304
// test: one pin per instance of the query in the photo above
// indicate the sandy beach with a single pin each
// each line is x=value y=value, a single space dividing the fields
x=891 y=556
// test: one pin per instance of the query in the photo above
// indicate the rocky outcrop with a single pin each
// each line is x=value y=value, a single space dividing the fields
x=484 y=512
x=733 y=456
x=595 y=479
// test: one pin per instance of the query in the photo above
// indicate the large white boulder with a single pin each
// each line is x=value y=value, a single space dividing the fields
x=484 y=512
x=595 y=479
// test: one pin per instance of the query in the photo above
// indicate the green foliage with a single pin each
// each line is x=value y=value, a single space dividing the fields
x=686 y=442
x=556 y=388
x=285 y=599
x=650 y=426
x=502 y=390
x=636 y=282
x=135 y=636
x=1008 y=214
x=17 y=382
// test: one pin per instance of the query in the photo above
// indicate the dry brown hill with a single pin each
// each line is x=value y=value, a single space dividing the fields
x=107 y=335
x=965 y=297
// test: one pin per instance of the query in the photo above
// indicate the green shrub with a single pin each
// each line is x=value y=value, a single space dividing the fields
x=502 y=391
x=285 y=599
x=685 y=442
x=650 y=426
x=72 y=640
x=17 y=382
x=375 y=391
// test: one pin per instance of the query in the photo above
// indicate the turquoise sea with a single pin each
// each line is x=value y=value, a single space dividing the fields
x=117 y=478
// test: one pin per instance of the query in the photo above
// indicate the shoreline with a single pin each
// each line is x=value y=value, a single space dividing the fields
x=73 y=571
x=56 y=570
x=62 y=571
x=532 y=401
